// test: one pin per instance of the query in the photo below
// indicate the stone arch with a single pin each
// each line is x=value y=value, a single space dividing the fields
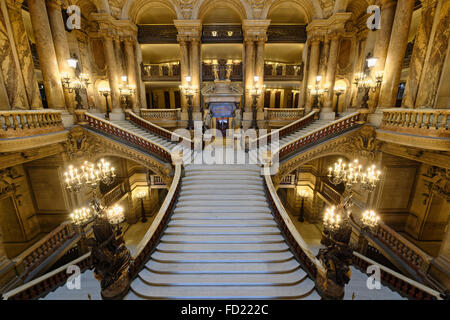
x=358 y=8
x=133 y=8
x=312 y=8
x=201 y=7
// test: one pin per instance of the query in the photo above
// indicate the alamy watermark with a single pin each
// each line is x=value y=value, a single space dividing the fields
x=374 y=21
x=74 y=280
x=74 y=20
x=374 y=280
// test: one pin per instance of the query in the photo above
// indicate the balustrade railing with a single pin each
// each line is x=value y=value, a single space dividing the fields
x=160 y=114
x=309 y=262
x=161 y=72
x=425 y=122
x=334 y=128
x=23 y=123
x=148 y=243
x=284 y=113
x=113 y=130
x=31 y=258
x=41 y=286
x=405 y=286
x=115 y=194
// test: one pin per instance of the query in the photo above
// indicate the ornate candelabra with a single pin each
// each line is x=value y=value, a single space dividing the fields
x=77 y=83
x=317 y=91
x=141 y=195
x=126 y=91
x=189 y=92
x=365 y=82
x=352 y=174
x=338 y=91
x=105 y=91
x=256 y=90
x=303 y=194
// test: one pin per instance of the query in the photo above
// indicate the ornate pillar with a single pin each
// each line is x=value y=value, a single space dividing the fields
x=112 y=69
x=61 y=45
x=313 y=68
x=184 y=69
x=396 y=53
x=259 y=69
x=419 y=53
x=131 y=73
x=121 y=71
x=324 y=57
x=47 y=54
x=141 y=86
x=331 y=71
x=195 y=73
x=249 y=46
x=24 y=56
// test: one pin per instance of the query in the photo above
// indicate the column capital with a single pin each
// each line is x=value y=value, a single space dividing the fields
x=55 y=4
x=188 y=29
x=255 y=30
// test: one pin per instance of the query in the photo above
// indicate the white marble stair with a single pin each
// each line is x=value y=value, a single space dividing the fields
x=222 y=242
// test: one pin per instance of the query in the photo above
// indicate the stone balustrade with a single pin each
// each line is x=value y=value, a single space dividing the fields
x=284 y=113
x=403 y=285
x=423 y=122
x=334 y=128
x=404 y=249
x=24 y=123
x=31 y=258
x=167 y=118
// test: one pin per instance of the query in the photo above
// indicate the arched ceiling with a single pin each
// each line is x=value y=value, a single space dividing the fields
x=221 y=14
x=220 y=9
x=287 y=13
x=156 y=13
x=358 y=8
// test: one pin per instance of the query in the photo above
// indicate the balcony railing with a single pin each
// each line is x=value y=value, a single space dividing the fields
x=22 y=123
x=283 y=72
x=161 y=72
x=422 y=122
x=287 y=114
x=163 y=117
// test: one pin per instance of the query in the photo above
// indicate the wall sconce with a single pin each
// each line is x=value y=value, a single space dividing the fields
x=338 y=90
x=141 y=195
x=105 y=91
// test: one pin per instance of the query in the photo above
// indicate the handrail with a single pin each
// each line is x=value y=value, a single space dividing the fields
x=426 y=122
x=35 y=288
x=152 y=236
x=164 y=133
x=334 y=127
x=42 y=249
x=22 y=123
x=160 y=114
x=294 y=126
x=114 y=130
x=298 y=245
x=401 y=283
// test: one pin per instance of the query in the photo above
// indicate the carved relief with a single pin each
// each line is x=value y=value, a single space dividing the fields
x=364 y=144
x=437 y=180
x=8 y=182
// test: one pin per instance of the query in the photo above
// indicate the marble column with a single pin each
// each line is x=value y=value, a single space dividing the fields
x=24 y=56
x=434 y=65
x=383 y=35
x=61 y=45
x=249 y=72
x=419 y=53
x=357 y=69
x=331 y=71
x=131 y=73
x=323 y=64
x=112 y=69
x=195 y=72
x=82 y=41
x=141 y=85
x=184 y=69
x=396 y=53
x=47 y=54
x=259 y=70
x=313 y=69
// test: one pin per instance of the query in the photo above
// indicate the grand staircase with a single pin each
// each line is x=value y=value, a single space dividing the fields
x=222 y=243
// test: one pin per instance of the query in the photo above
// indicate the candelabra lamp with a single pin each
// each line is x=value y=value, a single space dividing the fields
x=338 y=91
x=141 y=195
x=303 y=194
x=76 y=81
x=317 y=91
x=366 y=83
x=126 y=91
x=105 y=91
x=255 y=92
x=189 y=91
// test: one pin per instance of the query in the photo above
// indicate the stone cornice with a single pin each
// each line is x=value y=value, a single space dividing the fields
x=334 y=24
x=188 y=30
x=108 y=25
x=255 y=30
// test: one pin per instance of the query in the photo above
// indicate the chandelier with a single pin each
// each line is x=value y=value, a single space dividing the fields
x=89 y=175
x=352 y=174
x=370 y=219
x=81 y=216
x=331 y=219
x=115 y=215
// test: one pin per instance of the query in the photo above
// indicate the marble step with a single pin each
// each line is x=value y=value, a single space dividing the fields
x=232 y=182
x=222 y=247
x=221 y=257
x=223 y=268
x=231 y=175
x=239 y=231
x=223 y=197
x=222 y=239
x=218 y=188
x=223 y=167
x=211 y=208
x=237 y=203
x=192 y=191
x=222 y=223
x=302 y=290
x=285 y=279
x=221 y=216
